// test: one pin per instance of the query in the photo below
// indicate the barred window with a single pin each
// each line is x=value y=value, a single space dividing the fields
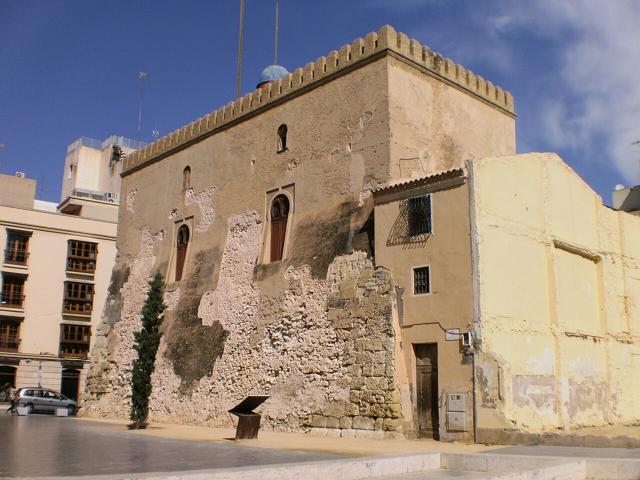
x=74 y=340
x=81 y=256
x=419 y=215
x=78 y=298
x=421 y=281
x=17 y=248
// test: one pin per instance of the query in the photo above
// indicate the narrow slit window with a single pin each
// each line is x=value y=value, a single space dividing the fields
x=282 y=138
x=279 y=217
x=186 y=178
x=181 y=250
x=419 y=216
x=421 y=281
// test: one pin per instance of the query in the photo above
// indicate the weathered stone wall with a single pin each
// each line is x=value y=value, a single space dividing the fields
x=315 y=330
x=323 y=349
x=236 y=325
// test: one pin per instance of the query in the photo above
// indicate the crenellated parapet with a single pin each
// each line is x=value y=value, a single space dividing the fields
x=360 y=50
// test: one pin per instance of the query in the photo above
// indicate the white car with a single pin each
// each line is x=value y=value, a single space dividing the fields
x=43 y=400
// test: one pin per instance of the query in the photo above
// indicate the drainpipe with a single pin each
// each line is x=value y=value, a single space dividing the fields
x=476 y=290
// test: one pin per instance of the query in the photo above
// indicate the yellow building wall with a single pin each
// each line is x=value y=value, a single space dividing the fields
x=557 y=300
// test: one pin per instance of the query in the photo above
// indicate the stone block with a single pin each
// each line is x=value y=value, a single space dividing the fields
x=333 y=433
x=373 y=345
x=354 y=396
x=370 y=434
x=378 y=424
x=360 y=344
x=365 y=275
x=367 y=371
x=346 y=422
x=318 y=421
x=394 y=411
x=318 y=432
x=389 y=344
x=334 y=409
x=377 y=410
x=363 y=423
x=348 y=433
x=391 y=424
x=332 y=423
x=353 y=409
x=358 y=382
x=348 y=288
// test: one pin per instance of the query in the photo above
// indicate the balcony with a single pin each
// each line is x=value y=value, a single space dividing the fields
x=16 y=257
x=9 y=344
x=11 y=300
x=74 y=306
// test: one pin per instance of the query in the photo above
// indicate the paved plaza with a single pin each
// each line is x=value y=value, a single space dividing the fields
x=44 y=445
x=48 y=446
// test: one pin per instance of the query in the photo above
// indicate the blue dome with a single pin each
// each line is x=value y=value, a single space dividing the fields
x=271 y=73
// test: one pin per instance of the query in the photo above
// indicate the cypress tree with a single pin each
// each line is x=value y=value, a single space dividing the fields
x=147 y=341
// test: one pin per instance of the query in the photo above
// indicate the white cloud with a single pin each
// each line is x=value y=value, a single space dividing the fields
x=600 y=42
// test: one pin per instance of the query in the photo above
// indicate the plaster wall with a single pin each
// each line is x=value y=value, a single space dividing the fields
x=423 y=318
x=559 y=296
x=436 y=126
x=92 y=170
x=17 y=192
x=45 y=274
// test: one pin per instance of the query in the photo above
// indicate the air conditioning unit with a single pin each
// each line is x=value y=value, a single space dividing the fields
x=21 y=175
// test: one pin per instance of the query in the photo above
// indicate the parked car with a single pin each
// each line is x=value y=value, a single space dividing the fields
x=37 y=399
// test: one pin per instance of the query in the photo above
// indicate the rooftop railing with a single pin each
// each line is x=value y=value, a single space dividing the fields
x=111 y=140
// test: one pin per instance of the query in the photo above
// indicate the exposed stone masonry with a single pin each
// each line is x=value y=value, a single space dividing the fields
x=322 y=348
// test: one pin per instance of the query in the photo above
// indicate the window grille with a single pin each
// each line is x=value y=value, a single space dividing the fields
x=81 y=256
x=421 y=281
x=74 y=340
x=78 y=298
x=9 y=335
x=419 y=216
x=17 y=249
x=12 y=291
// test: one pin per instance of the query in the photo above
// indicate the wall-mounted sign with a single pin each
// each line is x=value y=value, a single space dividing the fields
x=452 y=334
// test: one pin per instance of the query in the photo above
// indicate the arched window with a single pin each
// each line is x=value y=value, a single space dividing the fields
x=279 y=216
x=282 y=138
x=181 y=250
x=186 y=178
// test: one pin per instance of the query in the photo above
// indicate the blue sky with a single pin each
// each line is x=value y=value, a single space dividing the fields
x=68 y=68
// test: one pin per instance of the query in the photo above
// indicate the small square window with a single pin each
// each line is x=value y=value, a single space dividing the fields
x=421 y=281
x=419 y=215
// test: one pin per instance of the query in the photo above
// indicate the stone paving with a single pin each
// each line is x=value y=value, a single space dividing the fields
x=44 y=445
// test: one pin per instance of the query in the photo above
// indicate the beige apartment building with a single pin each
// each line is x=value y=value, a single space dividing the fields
x=359 y=241
x=56 y=267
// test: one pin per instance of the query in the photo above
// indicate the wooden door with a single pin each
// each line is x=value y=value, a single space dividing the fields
x=427 y=390
x=279 y=217
x=70 y=383
x=181 y=250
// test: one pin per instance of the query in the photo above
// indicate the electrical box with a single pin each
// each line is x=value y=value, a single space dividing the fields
x=456 y=421
x=456 y=402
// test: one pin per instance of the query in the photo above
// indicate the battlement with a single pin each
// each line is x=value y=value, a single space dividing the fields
x=360 y=50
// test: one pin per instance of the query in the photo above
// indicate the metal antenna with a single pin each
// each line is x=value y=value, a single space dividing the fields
x=141 y=77
x=275 y=50
x=240 y=47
